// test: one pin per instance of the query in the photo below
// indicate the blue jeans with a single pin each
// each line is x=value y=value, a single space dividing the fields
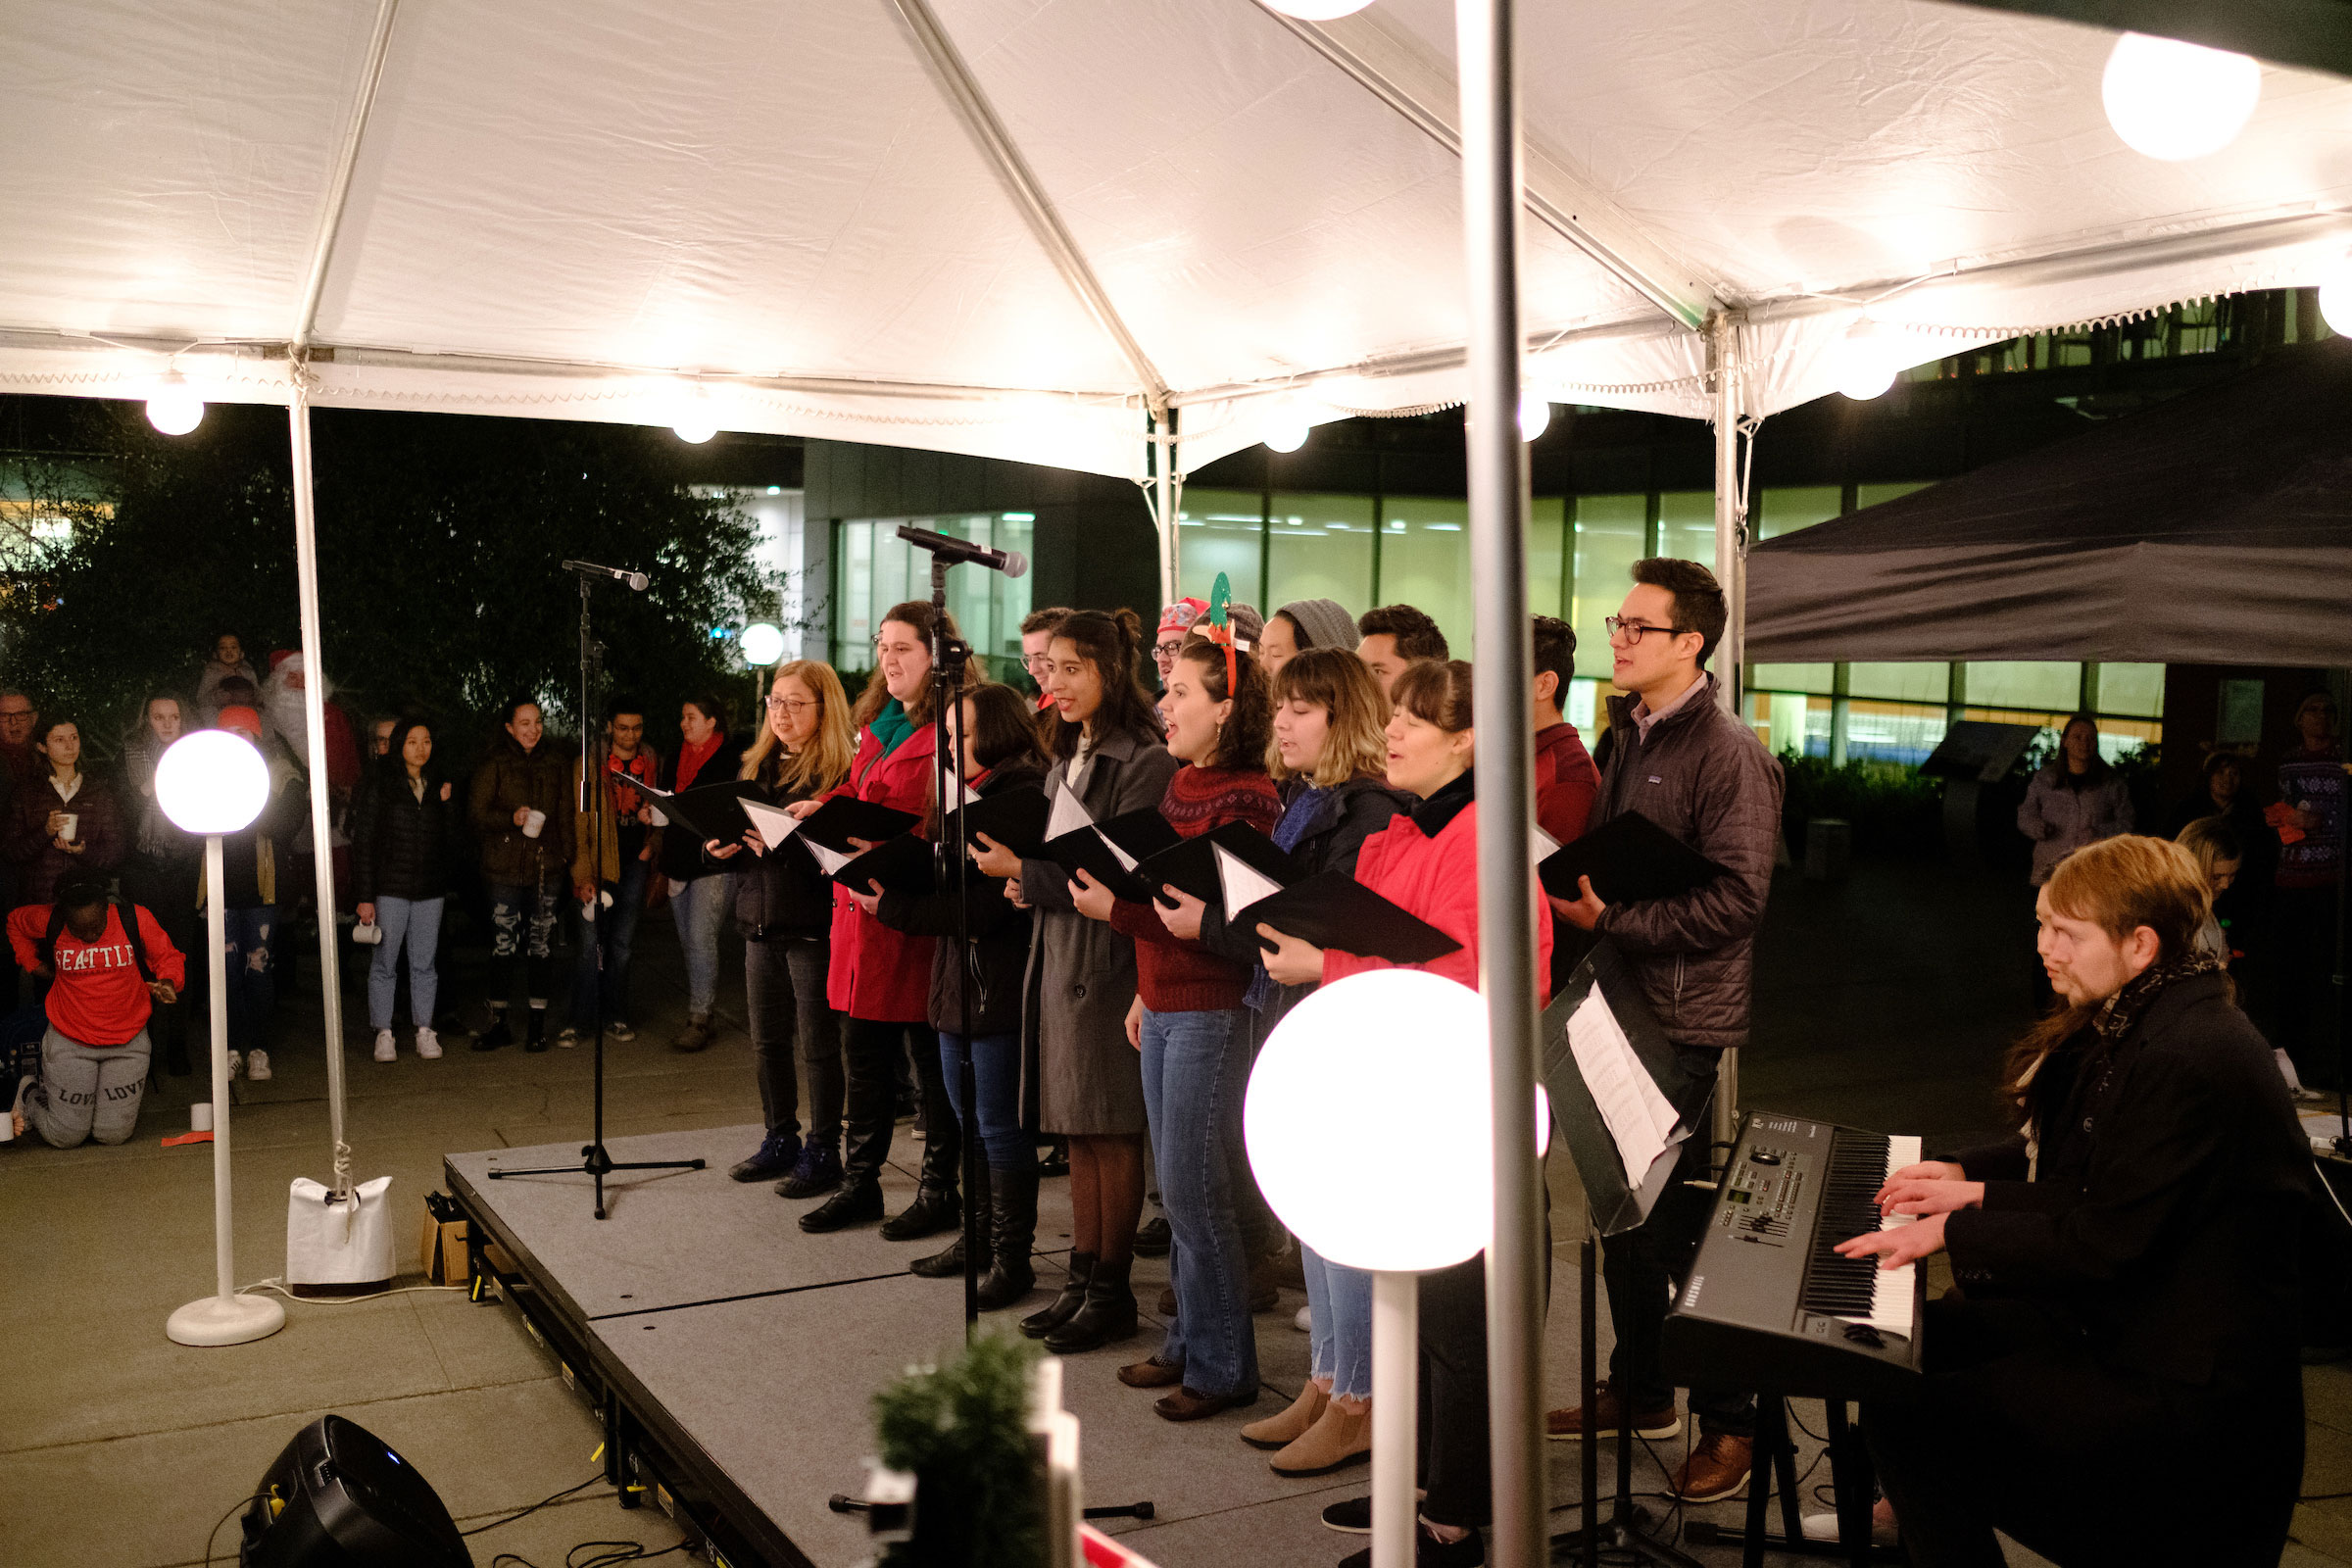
x=252 y=986
x=699 y=908
x=620 y=935
x=418 y=924
x=997 y=1076
x=1195 y=1070
x=1338 y=1300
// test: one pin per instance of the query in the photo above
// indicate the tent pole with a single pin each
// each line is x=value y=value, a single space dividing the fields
x=1167 y=488
x=314 y=721
x=1517 y=1260
x=1731 y=570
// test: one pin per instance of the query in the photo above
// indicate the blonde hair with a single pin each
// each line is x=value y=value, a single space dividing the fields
x=2209 y=841
x=825 y=760
x=1355 y=741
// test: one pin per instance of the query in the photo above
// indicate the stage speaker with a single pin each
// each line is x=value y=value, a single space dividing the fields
x=340 y=1498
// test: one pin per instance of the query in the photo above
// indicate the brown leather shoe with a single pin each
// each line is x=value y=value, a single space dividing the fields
x=1186 y=1406
x=1282 y=1430
x=1152 y=1373
x=1167 y=1300
x=1265 y=1293
x=1338 y=1440
x=1568 y=1426
x=1716 y=1469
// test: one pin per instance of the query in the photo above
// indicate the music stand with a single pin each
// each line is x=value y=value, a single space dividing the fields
x=1613 y=1204
x=595 y=1161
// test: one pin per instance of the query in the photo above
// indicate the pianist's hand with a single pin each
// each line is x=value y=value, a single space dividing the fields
x=1929 y=1170
x=1902 y=1197
x=1905 y=1244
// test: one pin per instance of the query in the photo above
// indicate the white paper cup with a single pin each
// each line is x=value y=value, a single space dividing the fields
x=533 y=822
x=69 y=826
x=199 y=1117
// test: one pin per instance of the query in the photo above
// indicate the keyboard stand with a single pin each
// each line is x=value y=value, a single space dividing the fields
x=1776 y=1458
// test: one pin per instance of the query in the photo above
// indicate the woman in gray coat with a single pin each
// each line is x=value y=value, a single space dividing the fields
x=2077 y=800
x=1082 y=1072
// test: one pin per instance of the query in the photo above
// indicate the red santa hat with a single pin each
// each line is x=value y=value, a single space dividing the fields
x=282 y=656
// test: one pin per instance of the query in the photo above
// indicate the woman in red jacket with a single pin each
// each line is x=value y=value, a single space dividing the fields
x=879 y=980
x=1427 y=863
x=1190 y=1023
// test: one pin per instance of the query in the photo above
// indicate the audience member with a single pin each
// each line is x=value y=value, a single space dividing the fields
x=2310 y=821
x=2075 y=798
x=228 y=659
x=256 y=867
x=522 y=811
x=1189 y=1023
x=2220 y=792
x=1300 y=624
x=1001 y=755
x=108 y=966
x=65 y=823
x=382 y=730
x=1426 y=861
x=405 y=837
x=879 y=979
x=2213 y=842
x=698 y=894
x=1674 y=753
x=784 y=914
x=1394 y=636
x=1330 y=753
x=18 y=758
x=1175 y=624
x=1037 y=639
x=159 y=873
x=613 y=881
x=1107 y=751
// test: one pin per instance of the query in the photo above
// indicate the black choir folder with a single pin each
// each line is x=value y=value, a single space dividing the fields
x=1191 y=865
x=845 y=817
x=1016 y=819
x=1137 y=836
x=903 y=864
x=1629 y=858
x=706 y=810
x=1333 y=909
x=1617 y=1203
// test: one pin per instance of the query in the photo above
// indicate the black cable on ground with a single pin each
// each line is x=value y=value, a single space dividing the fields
x=214 y=1533
x=614 y=1553
x=536 y=1506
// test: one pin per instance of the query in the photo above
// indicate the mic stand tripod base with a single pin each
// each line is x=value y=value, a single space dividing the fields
x=597 y=1161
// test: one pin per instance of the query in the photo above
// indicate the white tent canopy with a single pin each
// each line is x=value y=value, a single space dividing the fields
x=1010 y=228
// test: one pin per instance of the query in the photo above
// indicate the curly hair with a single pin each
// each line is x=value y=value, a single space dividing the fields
x=1243 y=738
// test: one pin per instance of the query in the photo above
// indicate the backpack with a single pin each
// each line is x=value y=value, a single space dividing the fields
x=46 y=949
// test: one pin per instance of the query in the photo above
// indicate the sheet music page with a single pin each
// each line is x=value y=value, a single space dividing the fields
x=829 y=860
x=1638 y=1115
x=1126 y=860
x=1068 y=815
x=775 y=825
x=1243 y=884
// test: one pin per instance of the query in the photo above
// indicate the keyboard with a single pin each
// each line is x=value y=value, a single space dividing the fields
x=1768 y=1305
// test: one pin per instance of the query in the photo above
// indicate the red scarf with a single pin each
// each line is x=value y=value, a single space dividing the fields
x=691 y=758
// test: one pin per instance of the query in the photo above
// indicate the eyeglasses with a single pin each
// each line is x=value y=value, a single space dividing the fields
x=790 y=705
x=1037 y=663
x=1165 y=653
x=1632 y=631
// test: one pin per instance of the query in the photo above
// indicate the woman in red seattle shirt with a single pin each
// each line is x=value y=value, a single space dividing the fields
x=94 y=1054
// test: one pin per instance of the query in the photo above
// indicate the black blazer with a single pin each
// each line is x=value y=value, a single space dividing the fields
x=2163 y=1216
x=999 y=935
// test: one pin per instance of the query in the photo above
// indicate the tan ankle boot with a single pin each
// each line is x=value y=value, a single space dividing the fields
x=1337 y=1439
x=1281 y=1431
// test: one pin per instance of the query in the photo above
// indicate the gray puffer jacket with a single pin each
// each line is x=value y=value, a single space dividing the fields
x=2061 y=816
x=1704 y=777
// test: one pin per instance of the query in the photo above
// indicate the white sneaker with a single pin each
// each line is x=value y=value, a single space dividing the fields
x=236 y=1065
x=428 y=1045
x=1304 y=1322
x=385 y=1051
x=257 y=1065
x=1883 y=1529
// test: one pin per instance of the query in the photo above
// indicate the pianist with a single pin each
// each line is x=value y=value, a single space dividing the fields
x=2114 y=1378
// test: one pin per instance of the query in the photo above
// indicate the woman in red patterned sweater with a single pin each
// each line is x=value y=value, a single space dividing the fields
x=1193 y=1029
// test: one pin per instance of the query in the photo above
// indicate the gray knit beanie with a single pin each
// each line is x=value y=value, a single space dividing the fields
x=1321 y=623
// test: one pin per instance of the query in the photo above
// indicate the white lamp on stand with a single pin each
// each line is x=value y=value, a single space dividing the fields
x=213 y=781
x=1362 y=1067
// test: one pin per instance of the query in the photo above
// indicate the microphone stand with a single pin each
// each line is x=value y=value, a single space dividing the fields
x=596 y=1161
x=952 y=873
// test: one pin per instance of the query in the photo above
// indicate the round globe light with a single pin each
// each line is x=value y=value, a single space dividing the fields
x=212 y=781
x=1318 y=11
x=695 y=428
x=1286 y=432
x=1535 y=415
x=2335 y=299
x=1362 y=1067
x=1862 y=362
x=175 y=409
x=762 y=644
x=2176 y=101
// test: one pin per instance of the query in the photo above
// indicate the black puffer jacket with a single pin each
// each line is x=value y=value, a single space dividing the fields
x=1000 y=934
x=402 y=847
x=780 y=895
x=1349 y=813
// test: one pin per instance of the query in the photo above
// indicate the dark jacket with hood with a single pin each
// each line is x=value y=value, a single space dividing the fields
x=1000 y=933
x=1704 y=777
x=511 y=777
x=402 y=847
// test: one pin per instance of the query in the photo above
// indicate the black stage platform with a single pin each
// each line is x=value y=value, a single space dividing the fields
x=733 y=1359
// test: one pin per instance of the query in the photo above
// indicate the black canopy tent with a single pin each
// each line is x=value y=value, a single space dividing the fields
x=2212 y=529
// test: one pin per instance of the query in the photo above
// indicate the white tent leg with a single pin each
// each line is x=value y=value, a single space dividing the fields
x=314 y=718
x=1168 y=492
x=1731 y=571
x=1517 y=1261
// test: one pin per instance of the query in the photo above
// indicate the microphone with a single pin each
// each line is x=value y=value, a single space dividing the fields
x=1011 y=562
x=589 y=569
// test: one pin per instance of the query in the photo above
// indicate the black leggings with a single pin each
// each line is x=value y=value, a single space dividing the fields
x=869 y=1050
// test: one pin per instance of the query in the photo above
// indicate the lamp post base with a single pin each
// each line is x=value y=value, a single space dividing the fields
x=226 y=1320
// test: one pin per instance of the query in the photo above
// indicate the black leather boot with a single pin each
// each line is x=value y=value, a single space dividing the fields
x=1063 y=1307
x=949 y=1263
x=855 y=1202
x=1011 y=1233
x=1108 y=1316
x=934 y=1210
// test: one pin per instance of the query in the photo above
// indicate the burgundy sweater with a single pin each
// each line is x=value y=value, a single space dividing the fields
x=1173 y=975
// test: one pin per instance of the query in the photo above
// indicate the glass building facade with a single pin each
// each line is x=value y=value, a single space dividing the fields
x=873 y=568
